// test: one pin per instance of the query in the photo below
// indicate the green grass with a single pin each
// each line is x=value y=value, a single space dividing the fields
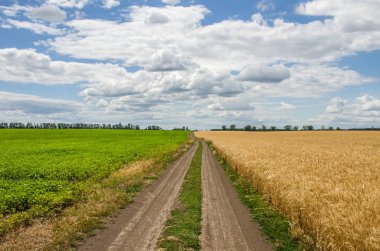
x=184 y=227
x=44 y=171
x=273 y=224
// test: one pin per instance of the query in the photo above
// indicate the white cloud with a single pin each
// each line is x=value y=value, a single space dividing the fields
x=265 y=74
x=108 y=4
x=316 y=79
x=265 y=5
x=286 y=106
x=230 y=44
x=363 y=111
x=14 y=10
x=144 y=39
x=336 y=105
x=79 y=4
x=31 y=104
x=49 y=13
x=350 y=15
x=230 y=104
x=168 y=60
x=368 y=103
x=183 y=61
x=34 y=27
x=157 y=18
x=172 y=2
x=204 y=82
x=28 y=66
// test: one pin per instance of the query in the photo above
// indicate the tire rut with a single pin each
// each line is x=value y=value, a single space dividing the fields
x=226 y=223
x=139 y=226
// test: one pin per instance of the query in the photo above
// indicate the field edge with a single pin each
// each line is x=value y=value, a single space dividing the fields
x=273 y=223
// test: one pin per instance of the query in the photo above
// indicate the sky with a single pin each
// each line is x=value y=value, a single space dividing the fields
x=201 y=64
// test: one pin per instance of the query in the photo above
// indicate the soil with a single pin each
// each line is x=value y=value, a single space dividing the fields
x=226 y=223
x=139 y=226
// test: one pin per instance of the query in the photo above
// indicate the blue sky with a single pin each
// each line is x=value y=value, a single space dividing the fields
x=196 y=63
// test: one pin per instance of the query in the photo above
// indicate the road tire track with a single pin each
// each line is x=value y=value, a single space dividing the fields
x=139 y=226
x=226 y=223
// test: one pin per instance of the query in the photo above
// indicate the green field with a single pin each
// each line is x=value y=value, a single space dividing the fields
x=43 y=171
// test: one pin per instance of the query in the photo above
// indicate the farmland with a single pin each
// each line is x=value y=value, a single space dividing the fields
x=326 y=183
x=44 y=171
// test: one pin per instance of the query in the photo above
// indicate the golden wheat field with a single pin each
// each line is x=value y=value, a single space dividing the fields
x=327 y=183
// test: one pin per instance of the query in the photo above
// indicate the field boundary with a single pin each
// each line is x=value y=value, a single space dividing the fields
x=97 y=205
x=273 y=223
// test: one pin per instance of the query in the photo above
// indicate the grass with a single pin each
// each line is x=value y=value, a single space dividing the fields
x=184 y=227
x=273 y=224
x=42 y=172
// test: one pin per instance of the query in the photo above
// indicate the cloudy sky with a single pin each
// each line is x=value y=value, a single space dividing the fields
x=196 y=63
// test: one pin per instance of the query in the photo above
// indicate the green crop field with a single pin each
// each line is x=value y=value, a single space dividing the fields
x=43 y=171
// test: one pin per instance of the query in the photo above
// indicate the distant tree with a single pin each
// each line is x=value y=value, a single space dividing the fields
x=308 y=127
x=330 y=128
x=232 y=127
x=224 y=127
x=273 y=128
x=253 y=128
x=323 y=127
x=263 y=127
x=295 y=128
x=247 y=128
x=288 y=127
x=338 y=128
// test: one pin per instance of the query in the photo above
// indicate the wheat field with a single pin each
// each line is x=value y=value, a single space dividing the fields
x=327 y=183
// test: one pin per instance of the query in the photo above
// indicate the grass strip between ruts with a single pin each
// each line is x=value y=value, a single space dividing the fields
x=273 y=224
x=184 y=226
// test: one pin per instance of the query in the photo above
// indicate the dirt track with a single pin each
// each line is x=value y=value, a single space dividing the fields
x=226 y=224
x=139 y=226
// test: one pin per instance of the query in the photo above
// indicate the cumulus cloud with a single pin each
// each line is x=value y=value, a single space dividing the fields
x=168 y=60
x=266 y=74
x=336 y=105
x=157 y=18
x=364 y=105
x=49 y=13
x=350 y=15
x=144 y=39
x=30 y=104
x=204 y=82
x=29 y=66
x=180 y=59
x=229 y=44
x=368 y=103
x=317 y=79
x=363 y=111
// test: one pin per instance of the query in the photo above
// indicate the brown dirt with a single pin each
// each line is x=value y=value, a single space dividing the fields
x=226 y=223
x=139 y=226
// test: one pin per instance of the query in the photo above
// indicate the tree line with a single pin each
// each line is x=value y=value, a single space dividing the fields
x=29 y=125
x=273 y=128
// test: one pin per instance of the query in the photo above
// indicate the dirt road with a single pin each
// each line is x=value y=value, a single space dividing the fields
x=226 y=224
x=139 y=226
